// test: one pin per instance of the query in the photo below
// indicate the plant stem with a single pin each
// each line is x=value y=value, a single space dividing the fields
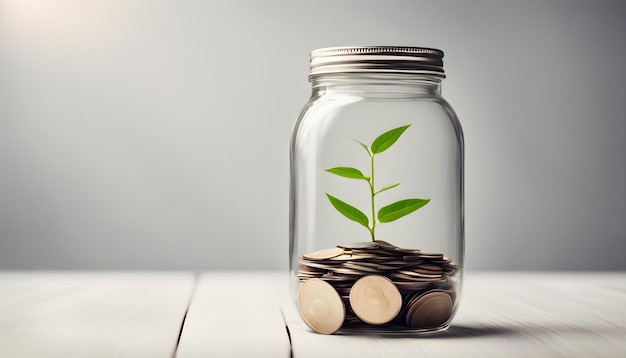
x=372 y=193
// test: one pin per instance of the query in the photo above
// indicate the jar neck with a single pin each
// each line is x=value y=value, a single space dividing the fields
x=373 y=84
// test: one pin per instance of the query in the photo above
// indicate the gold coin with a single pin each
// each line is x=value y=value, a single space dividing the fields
x=375 y=299
x=321 y=306
x=324 y=254
x=431 y=310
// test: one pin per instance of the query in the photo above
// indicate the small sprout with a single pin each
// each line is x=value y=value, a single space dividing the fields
x=387 y=213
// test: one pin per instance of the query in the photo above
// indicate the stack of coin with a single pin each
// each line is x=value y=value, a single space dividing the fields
x=382 y=284
x=430 y=309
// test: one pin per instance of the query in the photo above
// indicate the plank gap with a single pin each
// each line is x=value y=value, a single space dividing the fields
x=182 y=324
x=282 y=313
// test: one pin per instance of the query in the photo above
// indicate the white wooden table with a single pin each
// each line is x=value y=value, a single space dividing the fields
x=250 y=314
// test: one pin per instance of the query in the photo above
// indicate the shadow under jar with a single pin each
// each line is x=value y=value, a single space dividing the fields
x=376 y=239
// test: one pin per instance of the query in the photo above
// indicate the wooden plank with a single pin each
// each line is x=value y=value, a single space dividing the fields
x=92 y=314
x=502 y=315
x=236 y=314
x=48 y=314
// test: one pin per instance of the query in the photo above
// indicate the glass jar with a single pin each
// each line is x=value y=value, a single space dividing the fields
x=376 y=199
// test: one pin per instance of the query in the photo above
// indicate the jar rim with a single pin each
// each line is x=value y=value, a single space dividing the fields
x=421 y=61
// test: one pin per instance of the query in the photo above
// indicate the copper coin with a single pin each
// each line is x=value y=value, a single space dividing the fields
x=430 y=310
x=324 y=254
x=321 y=306
x=375 y=299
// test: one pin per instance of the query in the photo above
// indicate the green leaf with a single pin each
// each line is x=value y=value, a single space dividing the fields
x=387 y=139
x=349 y=211
x=399 y=209
x=362 y=145
x=387 y=188
x=348 y=172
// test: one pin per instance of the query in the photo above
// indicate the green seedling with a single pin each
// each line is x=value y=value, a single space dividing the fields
x=386 y=214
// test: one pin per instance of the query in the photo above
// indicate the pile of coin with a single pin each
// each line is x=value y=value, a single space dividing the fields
x=368 y=284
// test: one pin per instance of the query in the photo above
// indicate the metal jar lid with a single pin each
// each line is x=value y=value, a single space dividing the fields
x=376 y=60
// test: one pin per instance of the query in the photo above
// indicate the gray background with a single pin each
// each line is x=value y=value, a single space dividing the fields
x=155 y=134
